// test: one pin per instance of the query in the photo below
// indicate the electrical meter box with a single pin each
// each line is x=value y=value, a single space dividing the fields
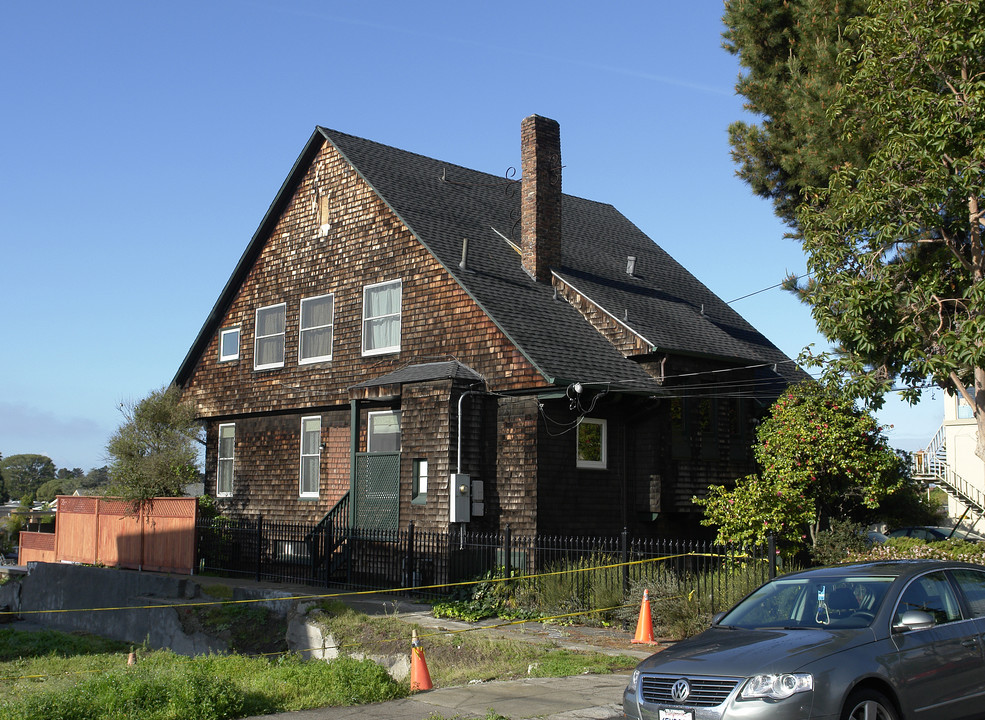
x=459 y=498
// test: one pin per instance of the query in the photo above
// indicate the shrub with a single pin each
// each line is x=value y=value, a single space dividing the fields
x=835 y=544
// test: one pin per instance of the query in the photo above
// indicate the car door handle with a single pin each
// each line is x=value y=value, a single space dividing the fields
x=970 y=642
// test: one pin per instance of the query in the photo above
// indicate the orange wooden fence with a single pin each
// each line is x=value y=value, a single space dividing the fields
x=107 y=531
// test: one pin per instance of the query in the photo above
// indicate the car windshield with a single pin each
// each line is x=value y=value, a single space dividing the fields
x=811 y=602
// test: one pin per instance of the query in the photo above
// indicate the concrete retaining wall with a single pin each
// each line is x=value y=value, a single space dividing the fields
x=123 y=605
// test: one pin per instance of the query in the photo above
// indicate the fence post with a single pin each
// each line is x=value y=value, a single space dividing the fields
x=625 y=561
x=507 y=552
x=259 y=542
x=409 y=560
x=771 y=549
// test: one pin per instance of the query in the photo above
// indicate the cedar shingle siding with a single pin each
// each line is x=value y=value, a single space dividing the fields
x=354 y=213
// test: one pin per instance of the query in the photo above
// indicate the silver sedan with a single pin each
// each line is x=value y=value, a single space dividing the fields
x=866 y=641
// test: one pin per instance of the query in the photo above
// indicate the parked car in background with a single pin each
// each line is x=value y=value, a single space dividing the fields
x=875 y=538
x=866 y=641
x=936 y=534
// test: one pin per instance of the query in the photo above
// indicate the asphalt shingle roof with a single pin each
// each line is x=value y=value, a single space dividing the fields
x=443 y=203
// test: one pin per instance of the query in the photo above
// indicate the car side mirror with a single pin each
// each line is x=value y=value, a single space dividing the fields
x=914 y=620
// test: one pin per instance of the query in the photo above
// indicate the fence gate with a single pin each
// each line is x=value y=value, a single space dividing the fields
x=376 y=494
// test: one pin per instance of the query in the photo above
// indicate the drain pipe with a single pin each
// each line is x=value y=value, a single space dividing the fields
x=460 y=399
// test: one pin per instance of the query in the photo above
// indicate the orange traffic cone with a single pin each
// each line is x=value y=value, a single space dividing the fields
x=644 y=627
x=420 y=678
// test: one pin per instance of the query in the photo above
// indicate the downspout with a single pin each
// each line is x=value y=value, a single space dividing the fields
x=459 y=453
x=353 y=444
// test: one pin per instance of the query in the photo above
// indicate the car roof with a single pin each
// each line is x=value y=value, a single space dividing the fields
x=889 y=568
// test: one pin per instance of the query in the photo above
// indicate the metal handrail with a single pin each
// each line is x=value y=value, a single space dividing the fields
x=932 y=463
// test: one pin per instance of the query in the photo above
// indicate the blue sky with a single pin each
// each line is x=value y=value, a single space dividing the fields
x=141 y=144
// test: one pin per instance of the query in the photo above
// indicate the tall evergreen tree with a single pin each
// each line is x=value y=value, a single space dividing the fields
x=788 y=50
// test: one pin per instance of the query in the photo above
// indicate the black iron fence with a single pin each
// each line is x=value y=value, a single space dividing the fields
x=435 y=565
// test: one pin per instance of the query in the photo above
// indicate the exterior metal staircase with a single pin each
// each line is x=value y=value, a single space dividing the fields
x=931 y=465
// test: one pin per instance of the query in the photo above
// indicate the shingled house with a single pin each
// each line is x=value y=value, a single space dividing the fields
x=407 y=340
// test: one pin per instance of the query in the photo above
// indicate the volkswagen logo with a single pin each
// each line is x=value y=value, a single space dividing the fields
x=680 y=691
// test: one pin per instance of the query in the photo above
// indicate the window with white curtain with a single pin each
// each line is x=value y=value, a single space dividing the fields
x=317 y=315
x=269 y=350
x=310 y=455
x=227 y=452
x=381 y=317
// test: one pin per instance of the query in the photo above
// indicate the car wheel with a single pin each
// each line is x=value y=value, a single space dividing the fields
x=867 y=704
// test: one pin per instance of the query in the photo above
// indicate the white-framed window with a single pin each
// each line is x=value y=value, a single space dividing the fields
x=317 y=317
x=269 y=350
x=383 y=431
x=381 y=317
x=227 y=455
x=419 y=491
x=229 y=344
x=591 y=443
x=310 y=455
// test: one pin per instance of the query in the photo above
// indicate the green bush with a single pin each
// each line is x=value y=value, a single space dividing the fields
x=904 y=548
x=683 y=604
x=835 y=544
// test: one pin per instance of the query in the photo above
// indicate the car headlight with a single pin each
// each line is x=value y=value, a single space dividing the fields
x=777 y=686
x=636 y=679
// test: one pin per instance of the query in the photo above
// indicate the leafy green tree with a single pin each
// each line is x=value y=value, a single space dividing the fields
x=95 y=478
x=895 y=243
x=51 y=489
x=154 y=452
x=820 y=457
x=24 y=474
x=4 y=493
x=788 y=50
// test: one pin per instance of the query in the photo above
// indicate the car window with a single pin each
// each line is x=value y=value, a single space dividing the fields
x=931 y=594
x=972 y=584
x=834 y=602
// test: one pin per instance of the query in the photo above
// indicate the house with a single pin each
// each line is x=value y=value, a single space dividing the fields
x=950 y=462
x=408 y=340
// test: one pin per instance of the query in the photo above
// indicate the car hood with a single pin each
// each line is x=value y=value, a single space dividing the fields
x=740 y=653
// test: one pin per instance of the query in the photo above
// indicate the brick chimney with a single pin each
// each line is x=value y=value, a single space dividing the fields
x=540 y=206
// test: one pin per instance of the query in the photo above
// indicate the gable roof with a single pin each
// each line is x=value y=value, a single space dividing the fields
x=443 y=204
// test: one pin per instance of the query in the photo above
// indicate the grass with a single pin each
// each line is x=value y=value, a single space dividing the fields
x=62 y=676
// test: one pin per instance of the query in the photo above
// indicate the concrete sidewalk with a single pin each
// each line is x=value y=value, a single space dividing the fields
x=582 y=697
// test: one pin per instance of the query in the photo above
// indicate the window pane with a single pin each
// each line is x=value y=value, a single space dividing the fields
x=316 y=343
x=270 y=351
x=972 y=584
x=382 y=333
x=384 y=432
x=590 y=442
x=381 y=317
x=227 y=449
x=310 y=454
x=270 y=321
x=316 y=312
x=310 y=436
x=229 y=344
x=309 y=476
x=270 y=336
